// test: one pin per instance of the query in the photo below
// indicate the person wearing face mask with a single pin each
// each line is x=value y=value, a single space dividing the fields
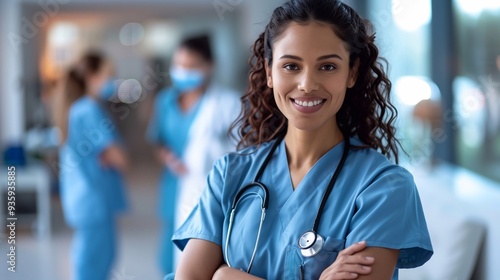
x=92 y=162
x=189 y=126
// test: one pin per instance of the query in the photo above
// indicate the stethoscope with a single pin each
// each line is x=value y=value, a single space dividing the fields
x=310 y=242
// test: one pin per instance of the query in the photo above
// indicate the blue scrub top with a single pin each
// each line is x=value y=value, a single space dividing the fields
x=169 y=127
x=90 y=193
x=372 y=200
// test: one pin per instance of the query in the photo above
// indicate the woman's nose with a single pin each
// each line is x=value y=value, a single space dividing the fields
x=308 y=82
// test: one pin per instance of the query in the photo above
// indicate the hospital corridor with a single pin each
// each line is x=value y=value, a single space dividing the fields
x=47 y=257
x=249 y=139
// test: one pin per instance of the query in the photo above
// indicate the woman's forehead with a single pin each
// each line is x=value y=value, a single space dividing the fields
x=311 y=39
x=184 y=53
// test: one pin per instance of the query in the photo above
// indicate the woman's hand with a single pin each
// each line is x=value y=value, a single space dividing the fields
x=348 y=266
x=114 y=157
x=173 y=163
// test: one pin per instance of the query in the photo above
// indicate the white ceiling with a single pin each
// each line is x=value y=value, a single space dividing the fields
x=129 y=9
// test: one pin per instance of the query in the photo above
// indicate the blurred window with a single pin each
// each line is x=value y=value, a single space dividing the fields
x=477 y=86
x=62 y=49
x=403 y=37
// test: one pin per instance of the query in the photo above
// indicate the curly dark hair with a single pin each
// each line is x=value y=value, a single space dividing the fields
x=367 y=111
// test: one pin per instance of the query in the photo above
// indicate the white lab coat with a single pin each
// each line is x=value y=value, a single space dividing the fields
x=208 y=141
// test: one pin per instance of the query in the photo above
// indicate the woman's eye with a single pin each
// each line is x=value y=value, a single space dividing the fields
x=291 y=67
x=328 y=67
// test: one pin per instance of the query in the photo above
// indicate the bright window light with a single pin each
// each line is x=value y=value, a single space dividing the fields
x=411 y=15
x=412 y=89
x=161 y=37
x=63 y=34
x=475 y=7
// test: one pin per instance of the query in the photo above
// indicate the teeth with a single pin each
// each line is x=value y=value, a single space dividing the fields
x=308 y=104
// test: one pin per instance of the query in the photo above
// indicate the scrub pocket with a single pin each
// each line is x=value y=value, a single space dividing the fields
x=298 y=267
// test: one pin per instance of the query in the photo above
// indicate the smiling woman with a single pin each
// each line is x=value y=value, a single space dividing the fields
x=310 y=76
x=317 y=134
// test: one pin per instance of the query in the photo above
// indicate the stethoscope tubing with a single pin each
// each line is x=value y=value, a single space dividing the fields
x=265 y=203
x=328 y=190
x=231 y=219
x=305 y=249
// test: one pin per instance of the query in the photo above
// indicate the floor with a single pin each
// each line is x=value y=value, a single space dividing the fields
x=48 y=259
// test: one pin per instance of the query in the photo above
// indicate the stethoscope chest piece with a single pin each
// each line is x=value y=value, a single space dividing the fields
x=310 y=243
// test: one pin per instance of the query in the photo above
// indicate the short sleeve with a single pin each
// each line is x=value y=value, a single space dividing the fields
x=389 y=214
x=207 y=218
x=92 y=131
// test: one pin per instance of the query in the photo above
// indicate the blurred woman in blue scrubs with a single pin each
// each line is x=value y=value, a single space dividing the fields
x=190 y=126
x=317 y=115
x=91 y=164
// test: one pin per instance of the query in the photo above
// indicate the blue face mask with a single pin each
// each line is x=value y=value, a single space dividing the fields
x=186 y=80
x=108 y=90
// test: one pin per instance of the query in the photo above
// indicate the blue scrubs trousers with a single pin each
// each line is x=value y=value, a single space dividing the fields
x=93 y=251
x=167 y=205
x=166 y=257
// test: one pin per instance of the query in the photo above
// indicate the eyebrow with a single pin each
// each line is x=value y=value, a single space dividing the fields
x=323 y=57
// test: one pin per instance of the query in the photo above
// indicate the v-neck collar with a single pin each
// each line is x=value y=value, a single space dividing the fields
x=190 y=111
x=311 y=188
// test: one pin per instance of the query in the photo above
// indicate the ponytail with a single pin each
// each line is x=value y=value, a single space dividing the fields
x=74 y=86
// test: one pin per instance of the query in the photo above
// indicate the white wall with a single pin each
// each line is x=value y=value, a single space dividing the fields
x=11 y=95
x=257 y=15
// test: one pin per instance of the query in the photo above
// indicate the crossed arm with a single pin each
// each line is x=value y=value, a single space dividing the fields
x=202 y=260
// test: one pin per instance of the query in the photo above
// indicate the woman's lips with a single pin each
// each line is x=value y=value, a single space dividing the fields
x=308 y=106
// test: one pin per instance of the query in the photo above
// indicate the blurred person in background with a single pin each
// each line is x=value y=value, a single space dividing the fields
x=189 y=125
x=91 y=165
